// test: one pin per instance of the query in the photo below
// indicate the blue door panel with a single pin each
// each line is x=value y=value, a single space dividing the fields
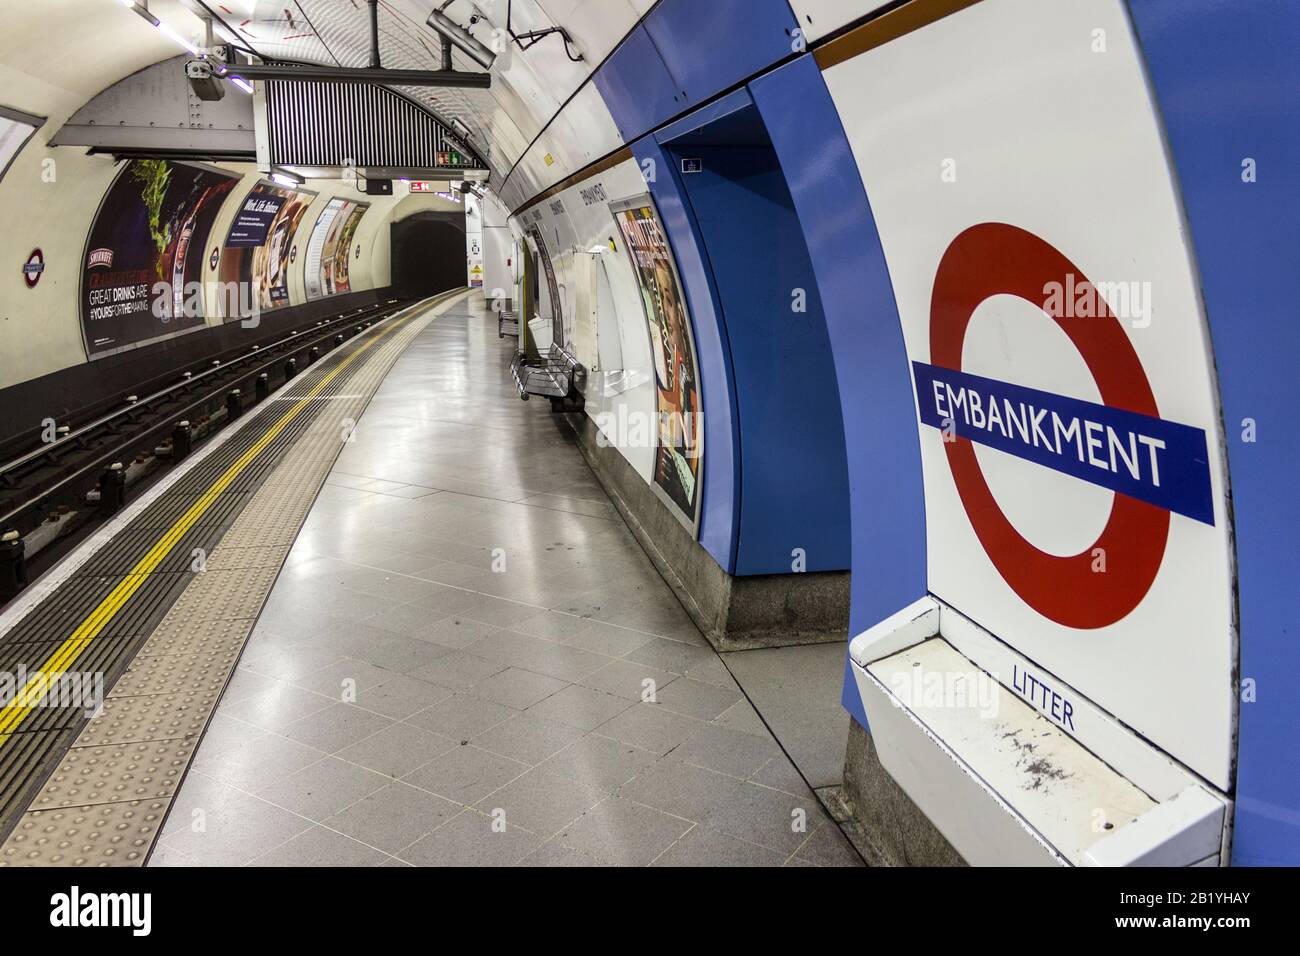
x=637 y=87
x=887 y=502
x=709 y=46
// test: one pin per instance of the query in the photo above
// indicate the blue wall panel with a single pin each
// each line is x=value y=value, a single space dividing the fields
x=720 y=514
x=637 y=87
x=712 y=45
x=1226 y=84
x=887 y=503
x=793 y=476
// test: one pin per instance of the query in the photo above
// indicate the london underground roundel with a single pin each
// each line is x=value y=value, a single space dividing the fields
x=1155 y=467
x=33 y=268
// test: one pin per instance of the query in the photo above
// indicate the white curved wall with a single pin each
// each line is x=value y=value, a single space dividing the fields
x=50 y=197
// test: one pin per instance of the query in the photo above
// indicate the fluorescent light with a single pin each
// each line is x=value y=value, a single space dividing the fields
x=286 y=178
x=242 y=83
x=176 y=38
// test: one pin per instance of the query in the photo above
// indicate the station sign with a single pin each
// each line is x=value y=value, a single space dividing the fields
x=34 y=268
x=1070 y=434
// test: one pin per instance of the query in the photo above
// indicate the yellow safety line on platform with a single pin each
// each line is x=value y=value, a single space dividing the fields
x=62 y=659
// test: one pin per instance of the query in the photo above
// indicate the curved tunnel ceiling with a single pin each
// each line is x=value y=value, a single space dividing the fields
x=63 y=60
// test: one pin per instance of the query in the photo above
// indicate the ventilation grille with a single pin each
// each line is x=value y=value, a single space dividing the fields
x=332 y=124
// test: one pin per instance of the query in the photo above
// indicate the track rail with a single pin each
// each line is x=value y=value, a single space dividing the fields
x=93 y=621
x=58 y=474
x=153 y=415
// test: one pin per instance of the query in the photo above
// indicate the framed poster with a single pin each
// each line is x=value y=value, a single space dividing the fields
x=327 y=265
x=258 y=246
x=679 y=431
x=144 y=255
x=552 y=287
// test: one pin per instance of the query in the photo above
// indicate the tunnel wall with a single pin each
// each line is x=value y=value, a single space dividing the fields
x=1075 y=157
x=51 y=196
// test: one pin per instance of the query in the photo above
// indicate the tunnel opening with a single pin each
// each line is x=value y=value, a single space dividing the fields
x=428 y=253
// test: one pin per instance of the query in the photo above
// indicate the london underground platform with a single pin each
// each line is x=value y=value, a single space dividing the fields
x=434 y=679
x=864 y=438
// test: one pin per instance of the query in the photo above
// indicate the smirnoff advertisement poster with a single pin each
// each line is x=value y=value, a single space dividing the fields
x=146 y=246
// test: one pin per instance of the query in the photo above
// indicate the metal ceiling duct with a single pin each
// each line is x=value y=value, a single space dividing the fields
x=466 y=41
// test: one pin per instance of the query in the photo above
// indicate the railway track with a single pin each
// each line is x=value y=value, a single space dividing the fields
x=73 y=474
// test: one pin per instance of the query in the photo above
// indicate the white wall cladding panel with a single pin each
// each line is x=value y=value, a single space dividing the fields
x=615 y=397
x=522 y=179
x=565 y=148
x=513 y=101
x=52 y=63
x=524 y=92
x=597 y=26
x=508 y=143
x=950 y=135
x=55 y=218
x=594 y=130
x=817 y=18
x=512 y=194
x=540 y=174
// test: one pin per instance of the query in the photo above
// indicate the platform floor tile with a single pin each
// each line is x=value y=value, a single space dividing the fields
x=468 y=660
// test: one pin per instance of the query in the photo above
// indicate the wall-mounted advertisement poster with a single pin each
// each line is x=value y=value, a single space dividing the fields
x=145 y=254
x=552 y=287
x=256 y=258
x=680 y=432
x=328 y=250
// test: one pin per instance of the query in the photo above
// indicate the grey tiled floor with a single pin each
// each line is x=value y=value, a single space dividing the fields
x=451 y=667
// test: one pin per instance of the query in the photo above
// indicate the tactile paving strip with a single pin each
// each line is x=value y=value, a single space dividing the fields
x=117 y=773
x=222 y=601
x=109 y=834
x=105 y=801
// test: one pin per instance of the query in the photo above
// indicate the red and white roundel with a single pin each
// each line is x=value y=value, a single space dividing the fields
x=999 y=259
x=1011 y=521
x=34 y=268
